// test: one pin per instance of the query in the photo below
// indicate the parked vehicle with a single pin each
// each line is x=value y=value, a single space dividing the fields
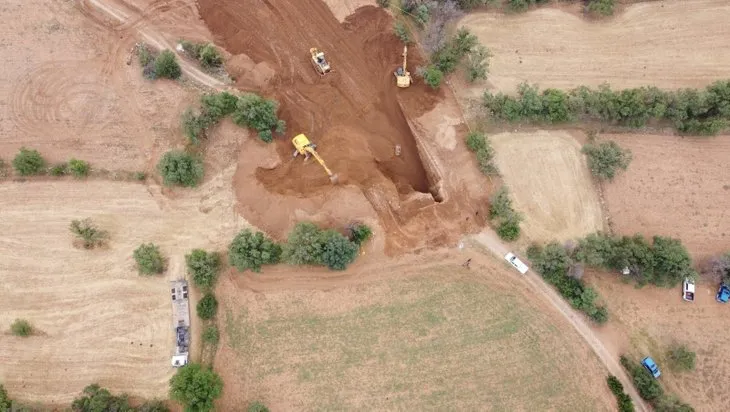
x=723 y=294
x=516 y=262
x=651 y=366
x=688 y=290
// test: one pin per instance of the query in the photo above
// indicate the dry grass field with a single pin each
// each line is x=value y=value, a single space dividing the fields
x=549 y=183
x=675 y=186
x=668 y=44
x=435 y=337
x=99 y=321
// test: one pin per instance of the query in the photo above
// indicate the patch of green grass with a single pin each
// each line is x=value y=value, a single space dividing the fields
x=416 y=345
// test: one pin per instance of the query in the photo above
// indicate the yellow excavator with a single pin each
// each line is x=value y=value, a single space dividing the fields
x=319 y=62
x=402 y=75
x=306 y=148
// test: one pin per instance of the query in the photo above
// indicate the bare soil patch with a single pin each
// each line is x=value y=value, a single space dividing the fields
x=438 y=337
x=668 y=44
x=549 y=183
x=675 y=186
x=652 y=319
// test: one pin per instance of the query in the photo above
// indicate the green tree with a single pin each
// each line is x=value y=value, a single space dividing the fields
x=501 y=204
x=596 y=250
x=304 y=245
x=476 y=141
x=153 y=406
x=553 y=260
x=250 y=250
x=360 y=233
x=87 y=232
x=166 y=65
x=258 y=406
x=211 y=335
x=149 y=259
x=681 y=358
x=28 y=162
x=180 y=168
x=257 y=113
x=195 y=387
x=79 y=168
x=209 y=56
x=21 y=327
x=97 y=399
x=337 y=250
x=509 y=227
x=606 y=158
x=433 y=76
x=207 y=306
x=5 y=402
x=401 y=30
x=477 y=66
x=203 y=267
x=615 y=385
x=602 y=7
x=672 y=262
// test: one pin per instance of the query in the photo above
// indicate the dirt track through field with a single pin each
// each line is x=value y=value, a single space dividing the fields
x=668 y=44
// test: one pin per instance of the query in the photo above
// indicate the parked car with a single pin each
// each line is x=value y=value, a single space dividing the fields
x=516 y=262
x=688 y=290
x=723 y=294
x=651 y=366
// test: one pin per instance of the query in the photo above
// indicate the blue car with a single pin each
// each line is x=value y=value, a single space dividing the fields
x=651 y=366
x=723 y=294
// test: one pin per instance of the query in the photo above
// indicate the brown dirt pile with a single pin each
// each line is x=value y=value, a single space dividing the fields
x=352 y=114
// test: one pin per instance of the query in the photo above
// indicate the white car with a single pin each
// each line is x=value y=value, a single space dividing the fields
x=517 y=263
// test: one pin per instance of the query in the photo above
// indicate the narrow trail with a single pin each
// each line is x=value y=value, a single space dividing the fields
x=490 y=240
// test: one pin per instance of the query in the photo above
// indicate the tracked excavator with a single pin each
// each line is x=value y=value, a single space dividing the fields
x=319 y=62
x=306 y=148
x=402 y=75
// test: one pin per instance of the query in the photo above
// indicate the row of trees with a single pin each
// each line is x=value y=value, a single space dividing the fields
x=478 y=144
x=556 y=267
x=248 y=110
x=29 y=162
x=623 y=400
x=94 y=398
x=691 y=111
x=307 y=244
x=651 y=390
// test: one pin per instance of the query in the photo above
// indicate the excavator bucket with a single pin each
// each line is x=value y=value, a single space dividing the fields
x=334 y=179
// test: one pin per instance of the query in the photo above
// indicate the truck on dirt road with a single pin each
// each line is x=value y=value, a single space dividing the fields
x=180 y=322
x=688 y=290
x=516 y=262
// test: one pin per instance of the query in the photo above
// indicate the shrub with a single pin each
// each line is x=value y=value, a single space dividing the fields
x=383 y=3
x=180 y=168
x=337 y=250
x=59 y=169
x=193 y=126
x=95 y=399
x=359 y=233
x=79 y=168
x=304 y=245
x=207 y=306
x=615 y=385
x=602 y=7
x=144 y=55
x=401 y=30
x=433 y=76
x=21 y=327
x=153 y=406
x=166 y=65
x=501 y=204
x=250 y=250
x=211 y=335
x=87 y=232
x=195 y=387
x=257 y=113
x=606 y=158
x=149 y=259
x=258 y=406
x=5 y=402
x=203 y=267
x=28 y=162
x=477 y=66
x=625 y=404
x=647 y=386
x=681 y=358
x=209 y=56
x=476 y=141
x=140 y=176
x=509 y=228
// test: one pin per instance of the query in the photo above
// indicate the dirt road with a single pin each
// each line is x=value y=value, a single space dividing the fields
x=489 y=240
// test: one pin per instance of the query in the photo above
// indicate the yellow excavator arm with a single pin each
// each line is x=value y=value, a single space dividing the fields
x=320 y=160
x=305 y=147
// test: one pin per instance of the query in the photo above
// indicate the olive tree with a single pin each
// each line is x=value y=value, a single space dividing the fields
x=28 y=162
x=196 y=387
x=149 y=259
x=203 y=267
x=250 y=250
x=180 y=168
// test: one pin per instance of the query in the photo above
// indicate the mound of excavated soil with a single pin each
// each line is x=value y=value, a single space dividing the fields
x=352 y=114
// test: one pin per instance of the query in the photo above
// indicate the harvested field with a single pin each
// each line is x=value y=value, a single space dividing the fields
x=435 y=338
x=549 y=183
x=99 y=320
x=652 y=319
x=668 y=44
x=677 y=187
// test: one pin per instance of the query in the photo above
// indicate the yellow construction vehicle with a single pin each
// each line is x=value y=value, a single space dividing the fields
x=402 y=75
x=305 y=147
x=319 y=62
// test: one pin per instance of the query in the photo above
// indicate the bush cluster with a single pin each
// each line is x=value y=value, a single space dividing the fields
x=623 y=400
x=203 y=267
x=29 y=162
x=600 y=7
x=650 y=389
x=6 y=404
x=504 y=215
x=719 y=266
x=691 y=111
x=664 y=262
x=446 y=58
x=606 y=158
x=196 y=387
x=149 y=259
x=309 y=245
x=401 y=31
x=95 y=398
x=257 y=113
x=554 y=263
x=211 y=335
x=478 y=143
x=250 y=250
x=205 y=53
x=681 y=358
x=166 y=65
x=180 y=168
x=522 y=5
